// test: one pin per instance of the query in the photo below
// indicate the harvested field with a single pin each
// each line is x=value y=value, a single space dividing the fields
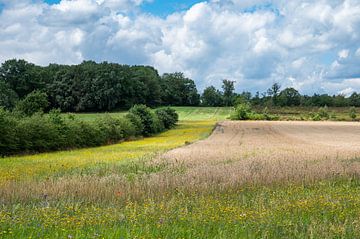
x=256 y=152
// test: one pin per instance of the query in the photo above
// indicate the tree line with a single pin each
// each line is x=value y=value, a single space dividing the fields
x=274 y=97
x=93 y=87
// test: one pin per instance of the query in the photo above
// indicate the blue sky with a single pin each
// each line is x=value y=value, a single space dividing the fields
x=313 y=46
x=158 y=7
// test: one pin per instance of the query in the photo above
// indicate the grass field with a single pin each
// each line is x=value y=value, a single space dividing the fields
x=133 y=190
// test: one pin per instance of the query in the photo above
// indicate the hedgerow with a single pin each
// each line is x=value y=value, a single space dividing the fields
x=48 y=132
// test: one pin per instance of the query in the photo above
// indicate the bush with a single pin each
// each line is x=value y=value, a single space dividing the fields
x=34 y=102
x=168 y=117
x=352 y=113
x=111 y=129
x=242 y=112
x=8 y=140
x=150 y=121
x=324 y=112
x=40 y=132
x=136 y=122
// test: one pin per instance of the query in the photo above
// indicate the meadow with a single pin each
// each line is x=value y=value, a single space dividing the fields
x=174 y=186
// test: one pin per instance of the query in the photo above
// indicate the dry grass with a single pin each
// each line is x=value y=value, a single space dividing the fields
x=236 y=154
x=266 y=152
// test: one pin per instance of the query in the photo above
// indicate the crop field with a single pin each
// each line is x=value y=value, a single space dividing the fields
x=246 y=180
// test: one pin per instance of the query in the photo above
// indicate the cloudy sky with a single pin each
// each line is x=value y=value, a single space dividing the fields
x=313 y=46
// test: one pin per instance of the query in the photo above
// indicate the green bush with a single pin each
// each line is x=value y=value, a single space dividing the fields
x=47 y=132
x=34 y=102
x=168 y=117
x=242 y=112
x=135 y=120
x=110 y=128
x=324 y=112
x=8 y=139
x=352 y=113
x=150 y=121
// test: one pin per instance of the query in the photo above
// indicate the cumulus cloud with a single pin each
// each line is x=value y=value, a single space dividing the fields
x=313 y=46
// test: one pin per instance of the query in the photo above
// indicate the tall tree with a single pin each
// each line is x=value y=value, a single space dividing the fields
x=273 y=92
x=229 y=92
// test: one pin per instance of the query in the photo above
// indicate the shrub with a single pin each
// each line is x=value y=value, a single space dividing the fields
x=167 y=116
x=37 y=133
x=8 y=139
x=110 y=128
x=34 y=102
x=352 y=113
x=150 y=121
x=136 y=122
x=242 y=112
x=41 y=132
x=324 y=112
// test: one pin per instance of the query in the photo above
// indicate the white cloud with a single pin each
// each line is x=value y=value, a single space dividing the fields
x=313 y=46
x=343 y=53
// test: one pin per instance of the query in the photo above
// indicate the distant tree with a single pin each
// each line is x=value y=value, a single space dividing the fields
x=34 y=102
x=179 y=90
x=273 y=92
x=256 y=100
x=289 y=97
x=228 y=92
x=21 y=76
x=244 y=97
x=212 y=97
x=340 y=101
x=354 y=99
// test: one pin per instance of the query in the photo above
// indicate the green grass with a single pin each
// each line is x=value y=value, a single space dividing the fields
x=327 y=209
x=323 y=209
x=304 y=113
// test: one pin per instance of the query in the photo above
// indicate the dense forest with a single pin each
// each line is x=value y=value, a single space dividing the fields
x=92 y=86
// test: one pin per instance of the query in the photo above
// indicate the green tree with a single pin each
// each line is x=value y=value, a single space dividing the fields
x=354 y=99
x=212 y=97
x=179 y=90
x=34 y=102
x=228 y=92
x=289 y=97
x=22 y=77
x=273 y=92
x=8 y=97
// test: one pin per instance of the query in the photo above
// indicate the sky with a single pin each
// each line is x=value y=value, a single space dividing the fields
x=313 y=46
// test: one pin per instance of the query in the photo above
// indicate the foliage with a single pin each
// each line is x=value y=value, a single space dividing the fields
x=324 y=112
x=8 y=97
x=41 y=133
x=167 y=116
x=289 y=97
x=34 y=102
x=212 y=97
x=352 y=113
x=149 y=119
x=179 y=90
x=244 y=112
x=229 y=92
